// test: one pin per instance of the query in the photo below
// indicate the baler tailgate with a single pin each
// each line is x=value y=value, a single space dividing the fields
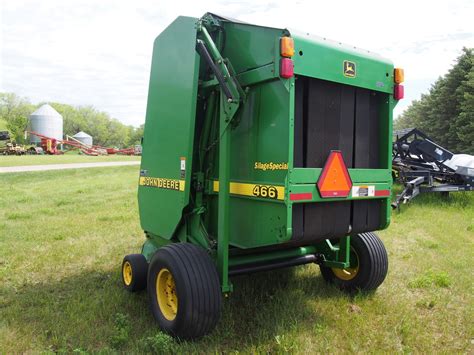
x=336 y=117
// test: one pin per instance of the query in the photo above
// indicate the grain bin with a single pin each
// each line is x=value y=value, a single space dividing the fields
x=46 y=121
x=83 y=137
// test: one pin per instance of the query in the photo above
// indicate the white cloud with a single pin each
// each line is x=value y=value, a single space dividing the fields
x=99 y=52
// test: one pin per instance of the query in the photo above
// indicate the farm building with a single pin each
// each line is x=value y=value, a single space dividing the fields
x=83 y=137
x=46 y=121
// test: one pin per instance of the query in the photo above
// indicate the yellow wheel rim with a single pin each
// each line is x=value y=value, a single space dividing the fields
x=127 y=273
x=350 y=272
x=166 y=294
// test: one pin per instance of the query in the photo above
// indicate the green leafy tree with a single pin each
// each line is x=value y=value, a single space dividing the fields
x=465 y=123
x=72 y=121
x=15 y=110
x=446 y=113
x=136 y=135
x=105 y=130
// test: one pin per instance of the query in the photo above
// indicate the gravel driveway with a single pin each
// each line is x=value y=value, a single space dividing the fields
x=20 y=169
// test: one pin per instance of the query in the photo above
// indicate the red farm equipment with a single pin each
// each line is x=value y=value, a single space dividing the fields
x=50 y=146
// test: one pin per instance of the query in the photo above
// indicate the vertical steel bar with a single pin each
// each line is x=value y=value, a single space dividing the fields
x=208 y=118
x=219 y=61
x=344 y=249
x=223 y=200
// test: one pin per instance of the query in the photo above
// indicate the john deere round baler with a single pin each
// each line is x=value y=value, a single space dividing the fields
x=263 y=148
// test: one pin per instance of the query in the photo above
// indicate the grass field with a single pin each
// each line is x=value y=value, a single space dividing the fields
x=12 y=160
x=63 y=236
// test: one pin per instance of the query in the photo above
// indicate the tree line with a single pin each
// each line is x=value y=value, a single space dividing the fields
x=446 y=113
x=105 y=130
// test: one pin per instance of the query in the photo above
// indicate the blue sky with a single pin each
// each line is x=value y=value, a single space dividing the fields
x=98 y=53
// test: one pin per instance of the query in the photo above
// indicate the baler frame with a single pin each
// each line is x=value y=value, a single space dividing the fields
x=231 y=95
x=299 y=181
x=187 y=214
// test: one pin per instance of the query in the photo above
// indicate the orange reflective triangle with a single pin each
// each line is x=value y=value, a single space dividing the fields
x=334 y=180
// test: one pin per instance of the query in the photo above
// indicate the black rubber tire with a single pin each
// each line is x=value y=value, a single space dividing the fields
x=197 y=288
x=373 y=264
x=139 y=272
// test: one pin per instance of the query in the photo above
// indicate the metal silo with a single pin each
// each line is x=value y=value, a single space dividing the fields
x=83 y=137
x=46 y=121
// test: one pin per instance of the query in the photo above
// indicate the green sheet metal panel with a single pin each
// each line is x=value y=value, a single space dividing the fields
x=169 y=129
x=250 y=46
x=325 y=59
x=262 y=135
x=259 y=157
x=261 y=139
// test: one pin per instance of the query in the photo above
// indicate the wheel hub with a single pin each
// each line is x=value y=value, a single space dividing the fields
x=166 y=294
x=127 y=273
x=350 y=272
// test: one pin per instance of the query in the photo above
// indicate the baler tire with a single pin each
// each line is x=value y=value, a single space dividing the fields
x=134 y=272
x=371 y=269
x=193 y=309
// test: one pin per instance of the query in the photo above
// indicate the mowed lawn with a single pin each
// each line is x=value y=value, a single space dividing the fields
x=12 y=160
x=63 y=236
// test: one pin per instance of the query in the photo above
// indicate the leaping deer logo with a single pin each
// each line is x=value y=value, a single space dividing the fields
x=349 y=69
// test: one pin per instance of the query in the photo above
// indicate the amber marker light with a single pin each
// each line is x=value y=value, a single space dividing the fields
x=398 y=75
x=287 y=47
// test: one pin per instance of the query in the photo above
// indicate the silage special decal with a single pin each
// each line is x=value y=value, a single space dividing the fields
x=270 y=166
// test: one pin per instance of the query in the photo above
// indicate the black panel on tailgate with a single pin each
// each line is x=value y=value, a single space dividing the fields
x=331 y=116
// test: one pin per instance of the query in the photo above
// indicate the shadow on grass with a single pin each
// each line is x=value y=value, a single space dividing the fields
x=80 y=312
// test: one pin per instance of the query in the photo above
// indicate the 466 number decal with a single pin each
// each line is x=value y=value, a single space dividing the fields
x=265 y=191
x=252 y=190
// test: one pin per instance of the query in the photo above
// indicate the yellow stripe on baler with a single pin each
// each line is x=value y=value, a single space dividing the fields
x=273 y=192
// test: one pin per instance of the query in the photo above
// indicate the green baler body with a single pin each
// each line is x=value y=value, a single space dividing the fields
x=277 y=142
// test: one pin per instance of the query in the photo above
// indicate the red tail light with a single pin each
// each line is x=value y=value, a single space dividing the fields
x=398 y=92
x=286 y=68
